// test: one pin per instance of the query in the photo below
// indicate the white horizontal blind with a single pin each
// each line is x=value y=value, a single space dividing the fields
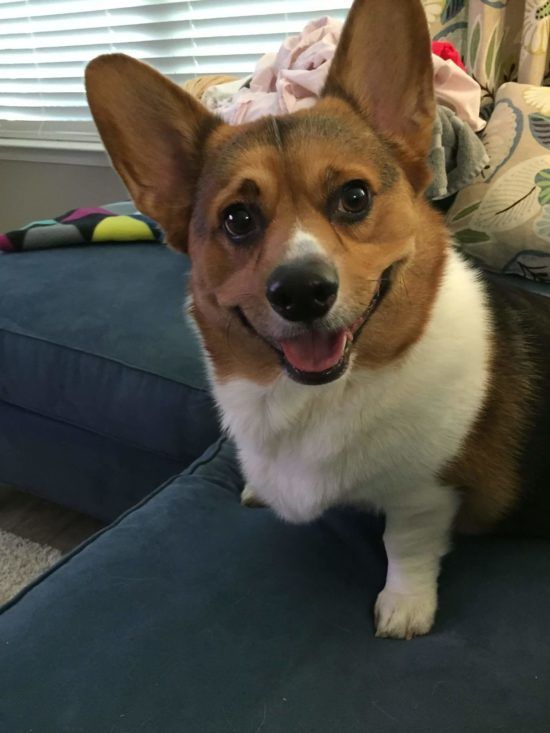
x=45 y=44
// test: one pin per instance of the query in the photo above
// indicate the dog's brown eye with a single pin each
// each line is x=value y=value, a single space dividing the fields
x=239 y=222
x=354 y=198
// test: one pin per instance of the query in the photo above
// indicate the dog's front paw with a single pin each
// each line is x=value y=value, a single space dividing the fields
x=402 y=616
x=249 y=498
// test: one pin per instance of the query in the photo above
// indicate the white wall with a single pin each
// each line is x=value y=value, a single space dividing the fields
x=31 y=191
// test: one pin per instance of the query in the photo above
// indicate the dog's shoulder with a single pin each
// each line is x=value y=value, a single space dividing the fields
x=503 y=465
x=519 y=310
x=522 y=323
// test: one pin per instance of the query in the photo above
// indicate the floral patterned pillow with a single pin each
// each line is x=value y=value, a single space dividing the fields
x=502 y=219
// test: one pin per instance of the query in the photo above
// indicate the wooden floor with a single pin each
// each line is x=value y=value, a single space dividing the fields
x=43 y=522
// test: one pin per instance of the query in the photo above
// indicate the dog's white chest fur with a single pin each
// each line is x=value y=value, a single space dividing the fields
x=374 y=435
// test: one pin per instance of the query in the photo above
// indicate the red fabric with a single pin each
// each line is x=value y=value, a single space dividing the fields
x=446 y=51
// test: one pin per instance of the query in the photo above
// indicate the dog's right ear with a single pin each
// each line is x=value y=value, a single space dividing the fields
x=154 y=133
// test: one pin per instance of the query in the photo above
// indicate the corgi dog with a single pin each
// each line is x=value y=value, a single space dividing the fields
x=355 y=356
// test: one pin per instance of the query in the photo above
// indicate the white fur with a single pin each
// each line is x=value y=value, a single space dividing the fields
x=302 y=244
x=376 y=438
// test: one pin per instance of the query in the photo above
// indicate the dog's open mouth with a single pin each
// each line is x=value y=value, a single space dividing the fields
x=319 y=356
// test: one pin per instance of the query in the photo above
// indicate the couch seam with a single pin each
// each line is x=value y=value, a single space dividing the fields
x=77 y=550
x=87 y=429
x=102 y=357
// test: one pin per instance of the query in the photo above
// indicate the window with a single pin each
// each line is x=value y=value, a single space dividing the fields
x=45 y=44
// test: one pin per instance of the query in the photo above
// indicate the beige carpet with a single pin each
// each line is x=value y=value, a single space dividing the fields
x=21 y=560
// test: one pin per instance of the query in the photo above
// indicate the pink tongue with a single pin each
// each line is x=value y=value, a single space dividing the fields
x=315 y=351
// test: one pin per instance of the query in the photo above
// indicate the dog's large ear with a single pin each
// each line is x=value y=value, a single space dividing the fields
x=383 y=68
x=154 y=133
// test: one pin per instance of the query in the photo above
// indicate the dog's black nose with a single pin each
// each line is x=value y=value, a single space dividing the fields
x=303 y=290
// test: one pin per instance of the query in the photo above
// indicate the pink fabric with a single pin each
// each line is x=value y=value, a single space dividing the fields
x=455 y=89
x=80 y=213
x=289 y=80
x=293 y=78
x=5 y=244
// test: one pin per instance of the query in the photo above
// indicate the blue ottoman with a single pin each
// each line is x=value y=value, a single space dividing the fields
x=192 y=614
x=102 y=389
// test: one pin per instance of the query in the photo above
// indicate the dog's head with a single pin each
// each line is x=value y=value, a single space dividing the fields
x=309 y=236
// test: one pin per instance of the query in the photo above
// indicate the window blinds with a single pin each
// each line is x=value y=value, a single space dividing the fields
x=45 y=44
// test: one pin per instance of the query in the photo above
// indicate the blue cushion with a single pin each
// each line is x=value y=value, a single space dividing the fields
x=194 y=614
x=78 y=468
x=94 y=338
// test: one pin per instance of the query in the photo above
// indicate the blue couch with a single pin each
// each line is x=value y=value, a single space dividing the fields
x=102 y=391
x=190 y=613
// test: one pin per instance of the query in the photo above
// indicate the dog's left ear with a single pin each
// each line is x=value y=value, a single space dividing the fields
x=154 y=133
x=383 y=68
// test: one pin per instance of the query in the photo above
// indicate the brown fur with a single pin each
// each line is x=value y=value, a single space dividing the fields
x=193 y=167
x=495 y=467
x=390 y=86
x=487 y=469
x=183 y=167
x=294 y=189
x=154 y=133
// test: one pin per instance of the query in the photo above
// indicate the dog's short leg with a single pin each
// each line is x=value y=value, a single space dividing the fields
x=249 y=498
x=416 y=538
